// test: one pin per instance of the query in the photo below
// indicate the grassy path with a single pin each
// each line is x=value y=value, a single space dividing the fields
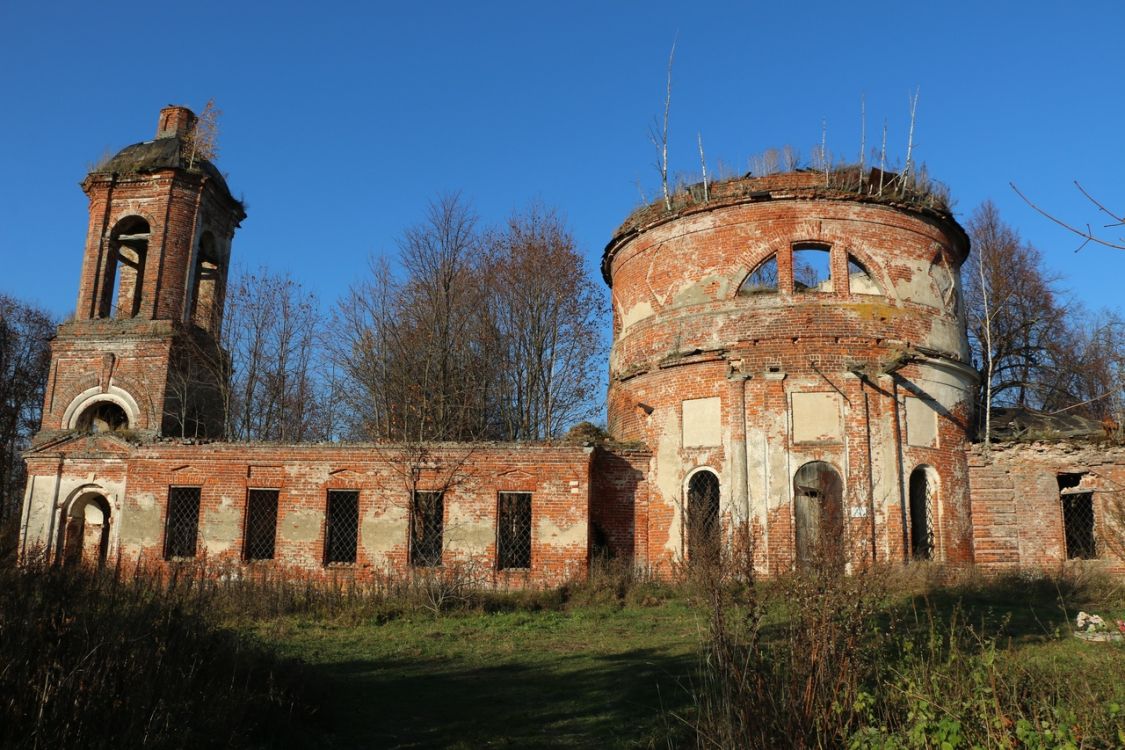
x=599 y=677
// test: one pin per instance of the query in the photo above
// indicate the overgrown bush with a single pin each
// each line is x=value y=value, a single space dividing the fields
x=93 y=659
x=879 y=658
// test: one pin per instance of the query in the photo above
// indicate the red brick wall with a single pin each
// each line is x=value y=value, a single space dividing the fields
x=470 y=476
x=1017 y=510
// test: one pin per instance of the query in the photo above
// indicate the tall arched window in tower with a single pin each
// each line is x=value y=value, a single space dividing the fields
x=703 y=525
x=818 y=499
x=123 y=280
x=206 y=289
x=923 y=495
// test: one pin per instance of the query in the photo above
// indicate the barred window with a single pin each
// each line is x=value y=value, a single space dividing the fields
x=261 y=525
x=426 y=512
x=1078 y=518
x=513 y=543
x=341 y=533
x=182 y=525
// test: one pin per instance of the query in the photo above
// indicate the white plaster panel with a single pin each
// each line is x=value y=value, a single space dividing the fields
x=702 y=422
x=921 y=424
x=816 y=418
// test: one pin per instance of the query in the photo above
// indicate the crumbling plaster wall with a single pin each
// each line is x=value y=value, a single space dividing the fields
x=471 y=475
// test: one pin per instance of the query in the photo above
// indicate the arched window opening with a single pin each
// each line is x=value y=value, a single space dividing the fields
x=102 y=416
x=923 y=494
x=818 y=494
x=122 y=286
x=763 y=279
x=703 y=524
x=859 y=278
x=86 y=531
x=206 y=285
x=812 y=269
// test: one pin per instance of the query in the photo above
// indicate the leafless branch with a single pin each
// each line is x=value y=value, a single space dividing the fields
x=1086 y=234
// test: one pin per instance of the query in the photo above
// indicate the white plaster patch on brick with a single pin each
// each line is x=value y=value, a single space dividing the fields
x=547 y=532
x=702 y=425
x=816 y=418
x=921 y=424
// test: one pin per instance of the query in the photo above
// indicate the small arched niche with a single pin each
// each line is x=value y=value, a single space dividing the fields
x=923 y=499
x=86 y=530
x=818 y=500
x=102 y=416
x=703 y=521
x=123 y=281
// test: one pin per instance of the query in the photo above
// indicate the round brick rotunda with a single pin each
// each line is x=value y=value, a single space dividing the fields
x=792 y=350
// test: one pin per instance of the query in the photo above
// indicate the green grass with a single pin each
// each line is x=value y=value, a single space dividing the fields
x=613 y=663
x=624 y=674
x=598 y=676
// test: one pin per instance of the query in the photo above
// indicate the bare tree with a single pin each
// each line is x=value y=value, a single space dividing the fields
x=25 y=332
x=659 y=136
x=1015 y=315
x=271 y=332
x=414 y=348
x=489 y=336
x=546 y=311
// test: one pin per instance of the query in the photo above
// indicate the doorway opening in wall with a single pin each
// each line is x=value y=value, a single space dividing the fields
x=923 y=494
x=86 y=531
x=1078 y=518
x=818 y=500
x=703 y=524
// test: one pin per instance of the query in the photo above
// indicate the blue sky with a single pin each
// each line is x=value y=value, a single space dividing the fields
x=341 y=120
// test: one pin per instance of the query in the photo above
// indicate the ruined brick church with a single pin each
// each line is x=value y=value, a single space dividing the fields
x=789 y=357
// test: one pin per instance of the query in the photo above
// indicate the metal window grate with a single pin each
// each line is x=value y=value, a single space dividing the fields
x=703 y=516
x=921 y=515
x=183 y=522
x=1078 y=518
x=342 y=527
x=427 y=510
x=1078 y=525
x=513 y=544
x=261 y=525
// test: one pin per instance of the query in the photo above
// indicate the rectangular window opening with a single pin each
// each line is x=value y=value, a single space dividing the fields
x=261 y=525
x=341 y=535
x=513 y=543
x=182 y=526
x=812 y=269
x=1078 y=518
x=426 y=516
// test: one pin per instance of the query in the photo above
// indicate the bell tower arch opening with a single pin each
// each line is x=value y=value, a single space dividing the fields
x=122 y=286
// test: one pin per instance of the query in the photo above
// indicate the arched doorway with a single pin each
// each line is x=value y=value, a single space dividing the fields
x=86 y=532
x=703 y=524
x=923 y=495
x=818 y=500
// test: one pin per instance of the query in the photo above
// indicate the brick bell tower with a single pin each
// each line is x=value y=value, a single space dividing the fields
x=142 y=352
